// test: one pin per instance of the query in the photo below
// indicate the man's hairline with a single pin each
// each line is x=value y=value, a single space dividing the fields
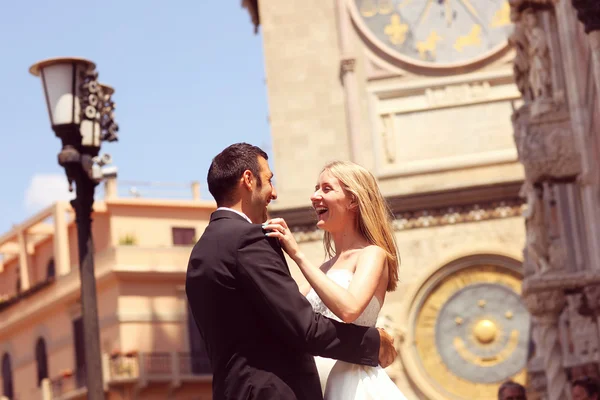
x=511 y=384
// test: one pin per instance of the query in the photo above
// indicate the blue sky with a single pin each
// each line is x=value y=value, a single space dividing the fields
x=189 y=80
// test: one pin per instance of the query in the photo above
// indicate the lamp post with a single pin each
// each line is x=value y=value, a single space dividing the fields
x=81 y=115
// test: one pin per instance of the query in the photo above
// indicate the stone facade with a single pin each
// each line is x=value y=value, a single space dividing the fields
x=440 y=141
x=556 y=68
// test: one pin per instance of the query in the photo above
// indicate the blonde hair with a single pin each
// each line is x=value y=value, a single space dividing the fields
x=374 y=219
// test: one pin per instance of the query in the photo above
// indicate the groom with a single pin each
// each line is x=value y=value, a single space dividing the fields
x=260 y=332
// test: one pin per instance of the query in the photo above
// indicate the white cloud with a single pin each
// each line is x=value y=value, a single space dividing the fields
x=45 y=189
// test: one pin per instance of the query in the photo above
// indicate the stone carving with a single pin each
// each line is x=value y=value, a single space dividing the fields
x=517 y=7
x=535 y=368
x=458 y=94
x=557 y=254
x=592 y=296
x=519 y=41
x=540 y=74
x=546 y=308
x=546 y=147
x=536 y=246
x=537 y=385
x=583 y=331
x=543 y=252
x=457 y=215
x=434 y=217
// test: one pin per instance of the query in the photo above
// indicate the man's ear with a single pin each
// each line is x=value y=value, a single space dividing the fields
x=247 y=179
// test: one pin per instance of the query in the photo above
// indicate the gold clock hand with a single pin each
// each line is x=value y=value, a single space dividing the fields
x=448 y=12
x=425 y=12
x=470 y=7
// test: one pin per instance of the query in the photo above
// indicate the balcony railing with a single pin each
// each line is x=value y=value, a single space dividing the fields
x=141 y=369
x=69 y=382
x=194 y=364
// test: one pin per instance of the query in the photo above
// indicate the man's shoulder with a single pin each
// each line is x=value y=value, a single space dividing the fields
x=233 y=230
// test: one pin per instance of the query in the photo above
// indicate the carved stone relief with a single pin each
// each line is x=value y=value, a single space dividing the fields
x=592 y=295
x=545 y=147
x=565 y=325
x=540 y=76
x=535 y=369
x=583 y=333
x=519 y=41
x=533 y=66
x=536 y=246
x=546 y=305
x=546 y=308
x=433 y=217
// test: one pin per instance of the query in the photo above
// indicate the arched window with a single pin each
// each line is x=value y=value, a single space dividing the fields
x=7 y=384
x=51 y=269
x=41 y=360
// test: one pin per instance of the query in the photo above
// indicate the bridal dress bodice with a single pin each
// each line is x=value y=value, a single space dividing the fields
x=343 y=277
x=344 y=381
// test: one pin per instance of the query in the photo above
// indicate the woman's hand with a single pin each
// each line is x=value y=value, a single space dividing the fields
x=278 y=228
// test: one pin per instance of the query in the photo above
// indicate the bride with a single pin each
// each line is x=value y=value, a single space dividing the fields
x=362 y=267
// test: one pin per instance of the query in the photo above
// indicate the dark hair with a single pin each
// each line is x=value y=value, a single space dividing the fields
x=510 y=384
x=590 y=385
x=229 y=166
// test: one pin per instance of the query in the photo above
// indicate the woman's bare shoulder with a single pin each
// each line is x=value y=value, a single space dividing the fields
x=373 y=250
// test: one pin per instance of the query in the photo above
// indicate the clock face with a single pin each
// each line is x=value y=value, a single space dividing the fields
x=436 y=32
x=472 y=332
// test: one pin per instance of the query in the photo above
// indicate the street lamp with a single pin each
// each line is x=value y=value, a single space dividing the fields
x=81 y=115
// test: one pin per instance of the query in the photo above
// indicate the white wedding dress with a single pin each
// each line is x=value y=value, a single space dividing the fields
x=344 y=381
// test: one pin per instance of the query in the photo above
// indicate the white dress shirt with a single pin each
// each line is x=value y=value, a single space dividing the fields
x=235 y=211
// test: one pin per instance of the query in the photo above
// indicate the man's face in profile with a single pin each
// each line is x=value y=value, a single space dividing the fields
x=263 y=192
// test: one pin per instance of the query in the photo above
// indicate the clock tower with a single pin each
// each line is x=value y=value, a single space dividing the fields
x=421 y=93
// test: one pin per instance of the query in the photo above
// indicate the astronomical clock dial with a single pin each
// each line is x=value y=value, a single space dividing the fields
x=434 y=33
x=472 y=332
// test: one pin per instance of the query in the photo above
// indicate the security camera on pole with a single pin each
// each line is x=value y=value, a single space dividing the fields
x=81 y=114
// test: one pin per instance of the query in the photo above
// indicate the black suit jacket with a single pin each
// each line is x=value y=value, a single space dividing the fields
x=260 y=332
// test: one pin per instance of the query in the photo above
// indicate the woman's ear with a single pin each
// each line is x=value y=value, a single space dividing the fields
x=353 y=206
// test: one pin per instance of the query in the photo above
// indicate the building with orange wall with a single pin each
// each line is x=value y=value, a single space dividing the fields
x=149 y=348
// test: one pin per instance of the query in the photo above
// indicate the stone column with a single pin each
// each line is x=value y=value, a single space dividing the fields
x=348 y=76
x=575 y=73
x=24 y=261
x=175 y=369
x=196 y=191
x=106 y=378
x=46 y=389
x=588 y=12
x=62 y=258
x=110 y=189
x=592 y=303
x=545 y=307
